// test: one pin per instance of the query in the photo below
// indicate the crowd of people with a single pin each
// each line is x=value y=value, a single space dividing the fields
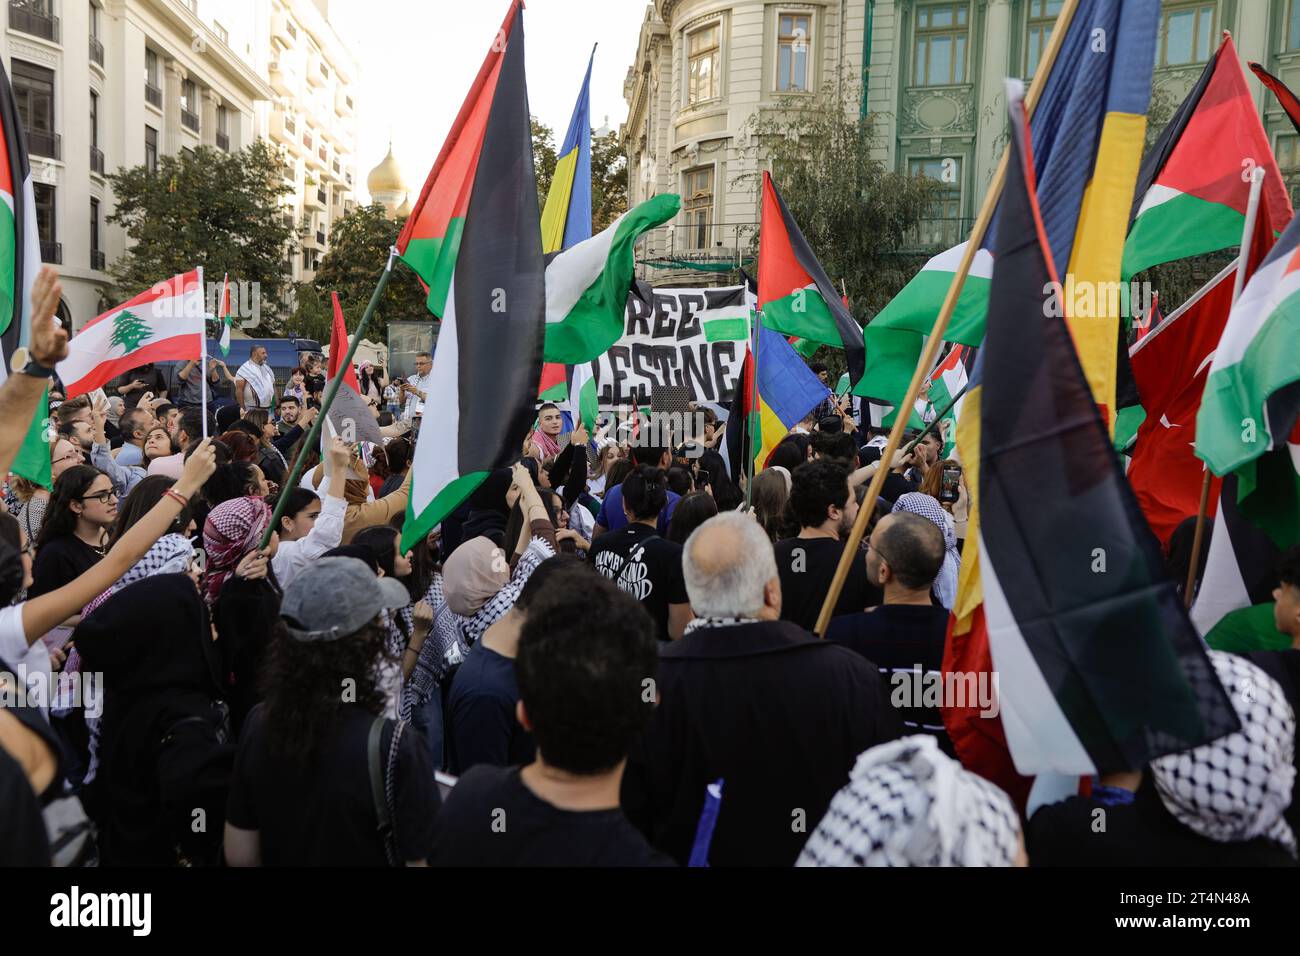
x=603 y=657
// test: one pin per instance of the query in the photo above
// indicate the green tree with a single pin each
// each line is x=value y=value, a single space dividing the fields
x=359 y=245
x=206 y=208
x=544 y=159
x=857 y=215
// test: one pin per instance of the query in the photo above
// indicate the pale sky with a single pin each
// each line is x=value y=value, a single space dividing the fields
x=416 y=71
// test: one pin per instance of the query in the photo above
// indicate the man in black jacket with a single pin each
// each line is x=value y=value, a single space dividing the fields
x=759 y=703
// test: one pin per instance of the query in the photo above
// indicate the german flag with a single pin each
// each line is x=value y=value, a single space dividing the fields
x=1063 y=591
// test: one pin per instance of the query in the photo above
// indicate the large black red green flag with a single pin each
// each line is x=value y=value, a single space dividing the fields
x=794 y=292
x=430 y=241
x=20 y=260
x=1099 y=667
x=489 y=355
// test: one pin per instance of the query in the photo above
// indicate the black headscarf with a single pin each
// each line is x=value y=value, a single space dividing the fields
x=487 y=509
x=163 y=743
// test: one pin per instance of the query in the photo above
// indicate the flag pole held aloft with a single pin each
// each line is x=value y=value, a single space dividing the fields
x=935 y=338
x=313 y=437
x=1239 y=283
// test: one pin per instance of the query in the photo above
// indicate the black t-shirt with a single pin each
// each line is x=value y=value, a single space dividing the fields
x=902 y=639
x=644 y=565
x=58 y=562
x=807 y=567
x=22 y=829
x=153 y=382
x=480 y=714
x=491 y=818
x=324 y=814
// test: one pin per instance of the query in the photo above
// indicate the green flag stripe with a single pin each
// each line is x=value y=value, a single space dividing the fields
x=434 y=261
x=1177 y=228
x=33 y=461
x=417 y=526
x=803 y=313
x=726 y=330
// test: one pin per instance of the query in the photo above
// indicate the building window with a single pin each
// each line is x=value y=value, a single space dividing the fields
x=223 y=130
x=942 y=221
x=1042 y=16
x=96 y=253
x=793 y=49
x=94 y=21
x=94 y=118
x=699 y=207
x=45 y=212
x=1186 y=32
x=704 y=53
x=152 y=81
x=151 y=149
x=190 y=106
x=35 y=17
x=34 y=92
x=1293 y=25
x=941 y=38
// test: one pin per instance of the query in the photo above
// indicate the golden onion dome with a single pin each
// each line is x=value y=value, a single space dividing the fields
x=386 y=177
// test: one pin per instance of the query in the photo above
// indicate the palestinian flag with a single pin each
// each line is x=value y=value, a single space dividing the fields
x=581 y=404
x=947 y=386
x=161 y=325
x=553 y=386
x=489 y=357
x=339 y=347
x=794 y=294
x=1249 y=420
x=1100 y=668
x=20 y=260
x=1241 y=567
x=431 y=239
x=1191 y=194
x=587 y=285
x=1289 y=102
x=223 y=314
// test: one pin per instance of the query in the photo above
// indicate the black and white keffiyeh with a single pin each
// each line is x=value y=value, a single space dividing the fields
x=703 y=623
x=909 y=804
x=1237 y=787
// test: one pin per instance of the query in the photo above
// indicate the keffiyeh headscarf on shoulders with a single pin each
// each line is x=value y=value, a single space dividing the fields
x=232 y=530
x=945 y=585
x=1237 y=787
x=909 y=804
x=170 y=554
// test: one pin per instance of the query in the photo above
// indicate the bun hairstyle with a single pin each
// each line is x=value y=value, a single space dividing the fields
x=645 y=492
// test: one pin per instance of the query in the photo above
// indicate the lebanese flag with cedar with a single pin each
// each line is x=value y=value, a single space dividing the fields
x=430 y=241
x=162 y=325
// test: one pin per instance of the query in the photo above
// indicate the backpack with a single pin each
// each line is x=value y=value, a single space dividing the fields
x=382 y=781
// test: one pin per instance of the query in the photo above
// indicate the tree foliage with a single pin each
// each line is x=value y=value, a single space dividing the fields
x=206 y=208
x=857 y=215
x=359 y=244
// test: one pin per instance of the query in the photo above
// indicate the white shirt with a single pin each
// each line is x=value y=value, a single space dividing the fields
x=294 y=557
x=31 y=664
x=262 y=381
x=415 y=404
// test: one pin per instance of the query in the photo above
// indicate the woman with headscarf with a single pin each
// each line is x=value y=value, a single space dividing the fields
x=243 y=594
x=363 y=509
x=945 y=585
x=908 y=804
x=1220 y=804
x=165 y=749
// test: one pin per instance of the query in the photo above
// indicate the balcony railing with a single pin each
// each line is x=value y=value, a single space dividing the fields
x=320 y=238
x=939 y=233
x=97 y=259
x=190 y=120
x=96 y=51
x=223 y=141
x=153 y=95
x=43 y=143
x=34 y=18
x=51 y=252
x=96 y=160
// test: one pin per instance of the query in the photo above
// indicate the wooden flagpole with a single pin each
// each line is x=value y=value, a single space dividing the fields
x=1243 y=259
x=313 y=437
x=935 y=338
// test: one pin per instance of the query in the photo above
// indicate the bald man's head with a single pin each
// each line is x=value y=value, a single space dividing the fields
x=730 y=569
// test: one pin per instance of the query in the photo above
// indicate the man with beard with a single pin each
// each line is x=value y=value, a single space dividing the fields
x=825 y=507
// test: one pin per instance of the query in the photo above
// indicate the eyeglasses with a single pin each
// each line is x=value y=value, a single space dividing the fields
x=75 y=456
x=104 y=497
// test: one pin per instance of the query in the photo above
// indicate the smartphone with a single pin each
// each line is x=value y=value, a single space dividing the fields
x=951 y=483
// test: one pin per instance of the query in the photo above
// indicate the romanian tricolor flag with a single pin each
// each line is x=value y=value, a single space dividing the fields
x=1063 y=590
x=430 y=241
x=566 y=219
x=794 y=293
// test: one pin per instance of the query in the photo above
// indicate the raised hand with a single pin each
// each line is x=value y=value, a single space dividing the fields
x=49 y=340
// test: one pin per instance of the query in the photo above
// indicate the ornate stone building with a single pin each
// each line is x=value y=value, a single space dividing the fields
x=933 y=83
